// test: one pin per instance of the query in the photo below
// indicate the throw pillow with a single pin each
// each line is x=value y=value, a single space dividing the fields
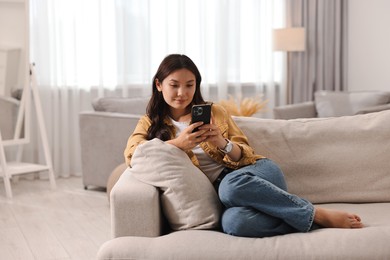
x=331 y=104
x=188 y=198
x=136 y=106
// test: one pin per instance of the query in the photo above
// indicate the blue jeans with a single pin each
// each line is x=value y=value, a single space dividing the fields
x=258 y=204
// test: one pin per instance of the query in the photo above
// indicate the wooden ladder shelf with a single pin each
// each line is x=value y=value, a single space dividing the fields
x=17 y=167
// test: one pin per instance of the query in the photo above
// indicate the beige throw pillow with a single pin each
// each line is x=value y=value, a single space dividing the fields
x=188 y=199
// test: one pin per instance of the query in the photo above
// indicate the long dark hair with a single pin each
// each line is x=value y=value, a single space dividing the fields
x=157 y=108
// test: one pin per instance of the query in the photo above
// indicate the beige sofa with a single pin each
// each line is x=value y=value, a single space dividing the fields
x=341 y=163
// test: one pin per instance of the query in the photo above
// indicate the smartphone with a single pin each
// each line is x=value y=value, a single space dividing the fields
x=201 y=113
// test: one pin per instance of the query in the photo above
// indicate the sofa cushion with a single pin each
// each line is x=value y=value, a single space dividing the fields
x=188 y=199
x=136 y=106
x=336 y=159
x=330 y=103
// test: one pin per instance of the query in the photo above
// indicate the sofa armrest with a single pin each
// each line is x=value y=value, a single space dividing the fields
x=135 y=208
x=299 y=110
x=374 y=109
x=103 y=138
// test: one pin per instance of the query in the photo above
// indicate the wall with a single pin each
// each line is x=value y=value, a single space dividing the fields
x=369 y=45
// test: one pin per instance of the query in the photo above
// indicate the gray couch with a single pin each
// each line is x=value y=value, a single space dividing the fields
x=331 y=103
x=103 y=136
x=340 y=163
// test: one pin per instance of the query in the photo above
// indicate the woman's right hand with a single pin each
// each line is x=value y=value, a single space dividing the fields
x=188 y=139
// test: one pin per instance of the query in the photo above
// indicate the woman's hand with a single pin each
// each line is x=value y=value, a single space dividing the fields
x=189 y=139
x=213 y=135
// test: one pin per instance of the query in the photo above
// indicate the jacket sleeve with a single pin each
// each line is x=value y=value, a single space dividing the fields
x=231 y=131
x=236 y=135
x=138 y=137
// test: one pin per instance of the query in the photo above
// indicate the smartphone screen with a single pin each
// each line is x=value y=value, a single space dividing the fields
x=201 y=113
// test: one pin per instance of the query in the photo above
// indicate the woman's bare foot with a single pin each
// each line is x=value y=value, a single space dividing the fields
x=336 y=219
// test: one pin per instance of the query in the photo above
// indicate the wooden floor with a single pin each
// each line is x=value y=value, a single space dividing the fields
x=39 y=223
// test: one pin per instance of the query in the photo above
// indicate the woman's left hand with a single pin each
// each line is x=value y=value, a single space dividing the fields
x=213 y=135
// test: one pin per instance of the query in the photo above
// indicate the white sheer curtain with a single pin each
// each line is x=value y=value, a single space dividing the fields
x=91 y=48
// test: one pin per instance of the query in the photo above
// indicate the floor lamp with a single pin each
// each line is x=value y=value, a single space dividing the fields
x=288 y=40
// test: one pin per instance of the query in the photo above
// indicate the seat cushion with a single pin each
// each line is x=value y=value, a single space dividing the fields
x=370 y=242
x=330 y=103
x=188 y=198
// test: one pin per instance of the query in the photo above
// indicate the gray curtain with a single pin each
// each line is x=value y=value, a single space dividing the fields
x=323 y=66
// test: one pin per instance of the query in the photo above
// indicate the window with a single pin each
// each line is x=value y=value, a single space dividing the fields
x=113 y=43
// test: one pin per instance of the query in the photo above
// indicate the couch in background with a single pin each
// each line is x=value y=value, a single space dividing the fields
x=103 y=136
x=330 y=104
x=337 y=162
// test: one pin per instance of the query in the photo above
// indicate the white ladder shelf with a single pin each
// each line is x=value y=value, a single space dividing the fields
x=17 y=167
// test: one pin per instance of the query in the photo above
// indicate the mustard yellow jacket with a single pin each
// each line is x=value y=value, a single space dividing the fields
x=226 y=125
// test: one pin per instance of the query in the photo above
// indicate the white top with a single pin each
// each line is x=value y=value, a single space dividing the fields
x=208 y=166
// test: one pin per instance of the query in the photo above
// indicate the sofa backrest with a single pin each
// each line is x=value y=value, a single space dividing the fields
x=340 y=159
x=135 y=106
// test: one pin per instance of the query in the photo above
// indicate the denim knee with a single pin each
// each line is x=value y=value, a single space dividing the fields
x=238 y=183
x=270 y=171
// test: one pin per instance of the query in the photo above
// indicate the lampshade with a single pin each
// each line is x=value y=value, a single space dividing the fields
x=289 y=39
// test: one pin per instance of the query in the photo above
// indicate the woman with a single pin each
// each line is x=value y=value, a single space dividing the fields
x=251 y=187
